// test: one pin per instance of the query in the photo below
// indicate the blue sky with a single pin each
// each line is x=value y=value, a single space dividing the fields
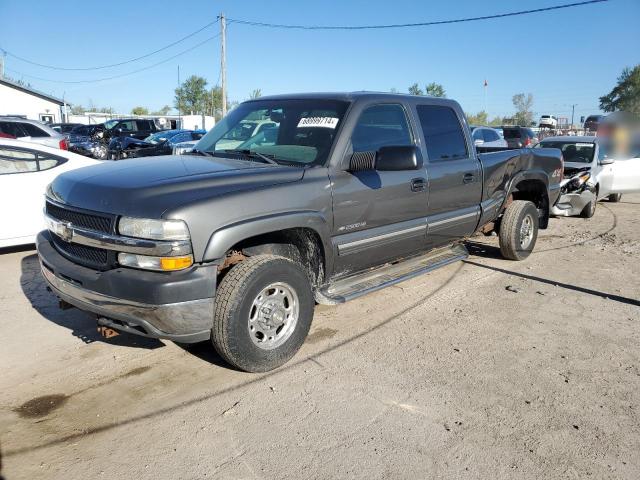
x=564 y=57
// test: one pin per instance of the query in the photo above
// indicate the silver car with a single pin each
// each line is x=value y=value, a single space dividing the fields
x=487 y=137
x=591 y=174
x=32 y=131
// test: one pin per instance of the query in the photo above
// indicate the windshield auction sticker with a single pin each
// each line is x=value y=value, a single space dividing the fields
x=324 y=122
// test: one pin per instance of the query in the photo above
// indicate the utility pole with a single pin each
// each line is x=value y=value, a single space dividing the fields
x=573 y=109
x=179 y=102
x=223 y=62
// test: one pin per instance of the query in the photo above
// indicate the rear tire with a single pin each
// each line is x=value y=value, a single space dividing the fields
x=264 y=307
x=615 y=197
x=589 y=210
x=518 y=230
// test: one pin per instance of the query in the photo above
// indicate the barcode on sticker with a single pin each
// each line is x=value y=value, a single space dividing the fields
x=325 y=122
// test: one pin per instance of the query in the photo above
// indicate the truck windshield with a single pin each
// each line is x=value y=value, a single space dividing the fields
x=578 y=152
x=288 y=131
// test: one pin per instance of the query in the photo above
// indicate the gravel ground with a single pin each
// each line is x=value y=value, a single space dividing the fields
x=486 y=369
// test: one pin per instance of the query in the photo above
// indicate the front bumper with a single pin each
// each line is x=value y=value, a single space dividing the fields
x=572 y=204
x=177 y=306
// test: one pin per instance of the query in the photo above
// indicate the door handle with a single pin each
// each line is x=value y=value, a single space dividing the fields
x=468 y=178
x=418 y=184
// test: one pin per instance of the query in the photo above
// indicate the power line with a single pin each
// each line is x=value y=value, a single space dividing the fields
x=122 y=74
x=404 y=25
x=52 y=67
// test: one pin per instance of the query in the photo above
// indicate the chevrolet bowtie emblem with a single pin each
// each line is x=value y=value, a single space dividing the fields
x=64 y=231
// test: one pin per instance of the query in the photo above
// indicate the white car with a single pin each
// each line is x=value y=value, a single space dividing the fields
x=32 y=131
x=25 y=171
x=487 y=137
x=548 y=121
x=591 y=174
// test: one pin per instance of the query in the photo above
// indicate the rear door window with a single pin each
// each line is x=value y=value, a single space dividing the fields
x=443 y=134
x=13 y=128
x=380 y=126
x=17 y=161
x=34 y=131
x=143 y=124
x=510 y=133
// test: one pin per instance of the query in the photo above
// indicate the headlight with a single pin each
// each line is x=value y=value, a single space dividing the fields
x=164 y=264
x=153 y=229
x=577 y=182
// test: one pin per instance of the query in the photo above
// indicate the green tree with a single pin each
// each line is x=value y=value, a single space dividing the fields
x=480 y=118
x=626 y=94
x=191 y=96
x=436 y=90
x=415 y=90
x=257 y=93
x=523 y=105
x=214 y=103
x=139 y=111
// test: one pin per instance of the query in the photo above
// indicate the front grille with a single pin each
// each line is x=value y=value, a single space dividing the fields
x=92 y=221
x=84 y=255
x=91 y=257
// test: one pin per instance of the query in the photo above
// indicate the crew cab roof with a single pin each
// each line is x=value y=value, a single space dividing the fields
x=358 y=95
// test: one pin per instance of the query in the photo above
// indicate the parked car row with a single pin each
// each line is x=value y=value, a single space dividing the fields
x=161 y=143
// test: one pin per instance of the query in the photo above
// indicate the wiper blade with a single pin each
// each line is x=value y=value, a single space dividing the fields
x=253 y=154
x=202 y=152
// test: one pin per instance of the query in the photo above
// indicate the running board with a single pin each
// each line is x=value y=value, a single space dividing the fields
x=348 y=288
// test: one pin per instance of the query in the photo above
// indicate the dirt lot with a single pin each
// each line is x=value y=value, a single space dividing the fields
x=486 y=369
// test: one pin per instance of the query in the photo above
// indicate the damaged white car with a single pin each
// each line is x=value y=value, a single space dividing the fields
x=590 y=174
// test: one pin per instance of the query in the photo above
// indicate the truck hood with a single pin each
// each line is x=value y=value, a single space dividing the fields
x=147 y=187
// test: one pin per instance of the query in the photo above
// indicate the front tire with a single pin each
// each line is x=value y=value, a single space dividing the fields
x=264 y=308
x=518 y=230
x=615 y=197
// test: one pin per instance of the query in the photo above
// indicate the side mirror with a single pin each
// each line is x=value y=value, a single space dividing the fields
x=390 y=158
x=119 y=131
x=394 y=158
x=606 y=161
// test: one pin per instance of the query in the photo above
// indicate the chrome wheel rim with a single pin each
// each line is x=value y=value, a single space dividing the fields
x=526 y=232
x=101 y=152
x=273 y=316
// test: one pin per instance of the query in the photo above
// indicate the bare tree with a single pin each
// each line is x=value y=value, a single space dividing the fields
x=523 y=105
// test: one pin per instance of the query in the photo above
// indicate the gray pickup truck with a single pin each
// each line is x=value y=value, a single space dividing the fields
x=341 y=195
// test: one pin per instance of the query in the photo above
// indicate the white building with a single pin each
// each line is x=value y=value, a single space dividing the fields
x=26 y=102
